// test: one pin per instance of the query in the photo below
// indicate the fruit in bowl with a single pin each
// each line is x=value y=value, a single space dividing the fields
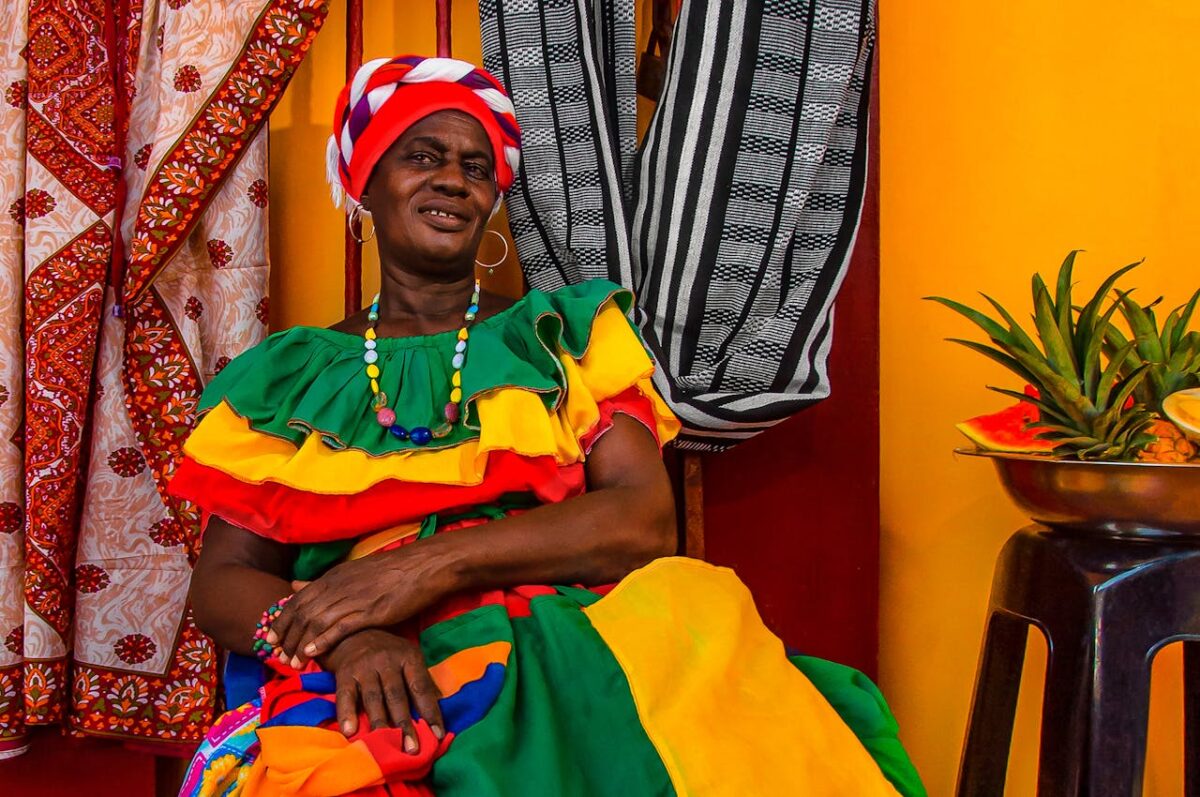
x=1094 y=391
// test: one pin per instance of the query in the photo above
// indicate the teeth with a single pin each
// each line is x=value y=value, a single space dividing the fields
x=440 y=213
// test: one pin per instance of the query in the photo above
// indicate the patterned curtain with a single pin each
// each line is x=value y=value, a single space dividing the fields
x=151 y=116
x=734 y=222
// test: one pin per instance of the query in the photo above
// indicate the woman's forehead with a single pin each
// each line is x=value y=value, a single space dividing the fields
x=452 y=128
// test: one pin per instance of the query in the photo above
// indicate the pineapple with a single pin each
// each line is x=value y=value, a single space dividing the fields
x=1085 y=404
x=1170 y=444
x=1171 y=357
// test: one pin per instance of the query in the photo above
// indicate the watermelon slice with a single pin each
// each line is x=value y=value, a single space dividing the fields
x=1009 y=429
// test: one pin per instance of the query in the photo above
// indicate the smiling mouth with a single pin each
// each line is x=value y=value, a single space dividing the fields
x=441 y=214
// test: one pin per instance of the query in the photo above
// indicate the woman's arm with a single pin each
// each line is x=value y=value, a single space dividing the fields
x=626 y=519
x=237 y=576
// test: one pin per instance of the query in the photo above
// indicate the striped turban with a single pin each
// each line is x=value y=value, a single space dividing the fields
x=387 y=96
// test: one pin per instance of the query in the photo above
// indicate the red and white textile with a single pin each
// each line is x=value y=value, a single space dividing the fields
x=94 y=558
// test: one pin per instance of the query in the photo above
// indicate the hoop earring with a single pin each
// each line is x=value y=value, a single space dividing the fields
x=491 y=267
x=355 y=216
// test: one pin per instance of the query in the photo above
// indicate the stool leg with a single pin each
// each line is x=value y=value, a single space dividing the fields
x=1191 y=718
x=1064 y=716
x=1120 y=712
x=984 y=762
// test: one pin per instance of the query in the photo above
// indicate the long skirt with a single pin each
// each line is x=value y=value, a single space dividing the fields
x=666 y=684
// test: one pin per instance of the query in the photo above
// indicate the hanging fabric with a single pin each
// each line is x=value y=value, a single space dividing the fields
x=107 y=339
x=734 y=222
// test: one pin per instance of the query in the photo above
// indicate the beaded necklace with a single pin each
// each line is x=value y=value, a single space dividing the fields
x=385 y=415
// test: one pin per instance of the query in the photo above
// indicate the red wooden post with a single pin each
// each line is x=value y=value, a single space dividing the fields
x=443 y=28
x=693 y=504
x=354 y=54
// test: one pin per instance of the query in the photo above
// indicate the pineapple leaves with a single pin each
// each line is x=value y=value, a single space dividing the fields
x=997 y=356
x=1062 y=296
x=1015 y=329
x=1053 y=341
x=1046 y=410
x=994 y=331
x=1091 y=354
x=1185 y=318
x=1099 y=388
x=1090 y=312
x=1141 y=324
x=1109 y=377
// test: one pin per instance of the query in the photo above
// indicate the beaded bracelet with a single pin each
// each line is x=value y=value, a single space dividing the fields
x=262 y=648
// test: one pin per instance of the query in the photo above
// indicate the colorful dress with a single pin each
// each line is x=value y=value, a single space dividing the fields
x=666 y=683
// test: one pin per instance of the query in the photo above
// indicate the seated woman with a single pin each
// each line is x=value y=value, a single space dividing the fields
x=416 y=518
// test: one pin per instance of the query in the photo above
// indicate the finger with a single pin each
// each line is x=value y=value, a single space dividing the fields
x=279 y=624
x=371 y=694
x=310 y=619
x=347 y=705
x=395 y=694
x=299 y=585
x=285 y=620
x=425 y=694
x=287 y=626
x=324 y=640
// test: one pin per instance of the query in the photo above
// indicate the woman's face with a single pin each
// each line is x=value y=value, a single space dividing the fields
x=432 y=192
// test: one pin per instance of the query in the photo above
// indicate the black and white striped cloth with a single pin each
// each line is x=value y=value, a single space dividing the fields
x=735 y=220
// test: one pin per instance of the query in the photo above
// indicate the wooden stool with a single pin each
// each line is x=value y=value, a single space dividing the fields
x=1106 y=605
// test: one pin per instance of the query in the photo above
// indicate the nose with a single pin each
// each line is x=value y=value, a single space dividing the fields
x=450 y=179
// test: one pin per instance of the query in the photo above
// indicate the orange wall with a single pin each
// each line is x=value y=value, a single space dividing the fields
x=1011 y=133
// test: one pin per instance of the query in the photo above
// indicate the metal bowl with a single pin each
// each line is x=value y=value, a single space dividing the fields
x=1136 y=499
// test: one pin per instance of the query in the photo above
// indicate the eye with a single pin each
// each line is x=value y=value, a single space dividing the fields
x=478 y=171
x=421 y=157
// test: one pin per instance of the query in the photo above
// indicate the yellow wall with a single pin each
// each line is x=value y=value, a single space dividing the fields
x=1011 y=133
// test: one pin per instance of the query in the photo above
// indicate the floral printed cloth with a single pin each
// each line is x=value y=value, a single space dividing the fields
x=149 y=115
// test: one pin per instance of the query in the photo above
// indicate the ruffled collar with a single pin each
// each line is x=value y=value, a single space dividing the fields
x=310 y=380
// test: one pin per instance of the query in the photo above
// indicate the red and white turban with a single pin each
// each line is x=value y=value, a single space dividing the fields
x=387 y=96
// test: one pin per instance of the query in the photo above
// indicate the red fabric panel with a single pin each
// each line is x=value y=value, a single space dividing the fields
x=286 y=514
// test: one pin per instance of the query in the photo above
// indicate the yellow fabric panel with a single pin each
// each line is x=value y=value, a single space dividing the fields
x=226 y=442
x=453 y=672
x=612 y=339
x=311 y=762
x=668 y=424
x=716 y=694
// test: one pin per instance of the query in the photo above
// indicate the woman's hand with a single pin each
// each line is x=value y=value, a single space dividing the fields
x=385 y=675
x=377 y=591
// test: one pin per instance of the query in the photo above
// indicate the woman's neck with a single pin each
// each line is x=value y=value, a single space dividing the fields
x=415 y=297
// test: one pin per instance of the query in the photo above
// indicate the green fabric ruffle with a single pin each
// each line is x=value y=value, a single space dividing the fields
x=309 y=380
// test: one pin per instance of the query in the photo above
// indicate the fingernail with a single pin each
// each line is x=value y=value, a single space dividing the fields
x=437 y=731
x=347 y=727
x=310 y=649
x=296 y=664
x=410 y=745
x=272 y=637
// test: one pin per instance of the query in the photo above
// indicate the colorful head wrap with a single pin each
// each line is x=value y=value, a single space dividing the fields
x=387 y=96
